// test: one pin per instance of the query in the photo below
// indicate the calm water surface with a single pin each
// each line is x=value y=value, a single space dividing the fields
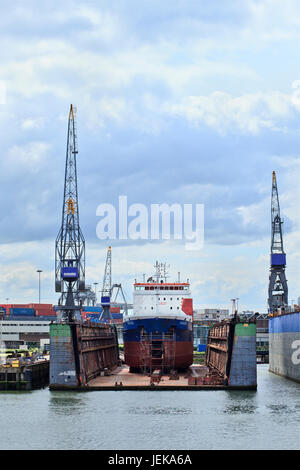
x=266 y=419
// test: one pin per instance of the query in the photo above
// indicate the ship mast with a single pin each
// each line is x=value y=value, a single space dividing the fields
x=161 y=272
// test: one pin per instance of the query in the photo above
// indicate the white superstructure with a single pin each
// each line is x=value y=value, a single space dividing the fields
x=158 y=298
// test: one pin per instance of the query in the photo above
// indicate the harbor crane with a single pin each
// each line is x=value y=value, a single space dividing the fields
x=111 y=291
x=106 y=288
x=278 y=288
x=70 y=243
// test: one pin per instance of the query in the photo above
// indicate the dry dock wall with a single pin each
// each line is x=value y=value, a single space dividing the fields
x=231 y=352
x=79 y=352
x=243 y=358
x=62 y=359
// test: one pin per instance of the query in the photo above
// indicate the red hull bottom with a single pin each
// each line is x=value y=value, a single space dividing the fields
x=134 y=357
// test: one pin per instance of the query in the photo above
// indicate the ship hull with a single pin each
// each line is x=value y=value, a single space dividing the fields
x=284 y=345
x=141 y=337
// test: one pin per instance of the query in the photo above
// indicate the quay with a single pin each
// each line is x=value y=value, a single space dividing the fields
x=24 y=377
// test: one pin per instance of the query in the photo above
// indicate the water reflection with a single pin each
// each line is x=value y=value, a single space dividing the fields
x=282 y=409
x=139 y=420
x=66 y=403
x=157 y=410
x=241 y=408
x=240 y=402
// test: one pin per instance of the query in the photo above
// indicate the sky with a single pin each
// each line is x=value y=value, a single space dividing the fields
x=187 y=102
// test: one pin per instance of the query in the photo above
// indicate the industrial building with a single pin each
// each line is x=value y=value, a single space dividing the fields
x=20 y=333
x=204 y=319
x=210 y=314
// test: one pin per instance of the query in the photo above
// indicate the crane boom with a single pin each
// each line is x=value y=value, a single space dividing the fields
x=106 y=288
x=277 y=240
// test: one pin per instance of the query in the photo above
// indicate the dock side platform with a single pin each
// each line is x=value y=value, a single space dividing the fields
x=121 y=379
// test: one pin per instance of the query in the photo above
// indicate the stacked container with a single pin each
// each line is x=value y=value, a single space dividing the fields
x=93 y=317
x=43 y=310
x=92 y=309
x=29 y=310
x=22 y=311
x=6 y=308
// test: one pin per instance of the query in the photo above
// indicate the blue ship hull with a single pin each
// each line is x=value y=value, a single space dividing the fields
x=157 y=329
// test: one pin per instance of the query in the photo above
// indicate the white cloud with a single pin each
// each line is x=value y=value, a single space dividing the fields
x=30 y=123
x=225 y=69
x=252 y=213
x=249 y=113
x=30 y=156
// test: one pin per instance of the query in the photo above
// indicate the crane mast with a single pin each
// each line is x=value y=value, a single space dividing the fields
x=278 y=289
x=70 y=243
x=106 y=288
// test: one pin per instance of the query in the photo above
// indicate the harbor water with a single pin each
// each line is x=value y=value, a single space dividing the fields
x=178 y=420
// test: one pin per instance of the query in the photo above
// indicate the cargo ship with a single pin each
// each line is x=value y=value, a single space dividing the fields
x=159 y=332
x=284 y=344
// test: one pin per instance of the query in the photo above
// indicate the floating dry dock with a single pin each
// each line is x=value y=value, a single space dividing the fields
x=85 y=358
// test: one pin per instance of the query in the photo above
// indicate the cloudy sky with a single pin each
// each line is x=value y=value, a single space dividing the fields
x=180 y=101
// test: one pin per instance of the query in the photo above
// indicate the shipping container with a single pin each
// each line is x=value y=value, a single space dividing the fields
x=92 y=309
x=117 y=316
x=47 y=306
x=6 y=308
x=92 y=315
x=114 y=309
x=47 y=313
x=19 y=305
x=16 y=311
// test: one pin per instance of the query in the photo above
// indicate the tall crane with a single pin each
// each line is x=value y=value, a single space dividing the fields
x=106 y=288
x=70 y=243
x=278 y=288
x=110 y=292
